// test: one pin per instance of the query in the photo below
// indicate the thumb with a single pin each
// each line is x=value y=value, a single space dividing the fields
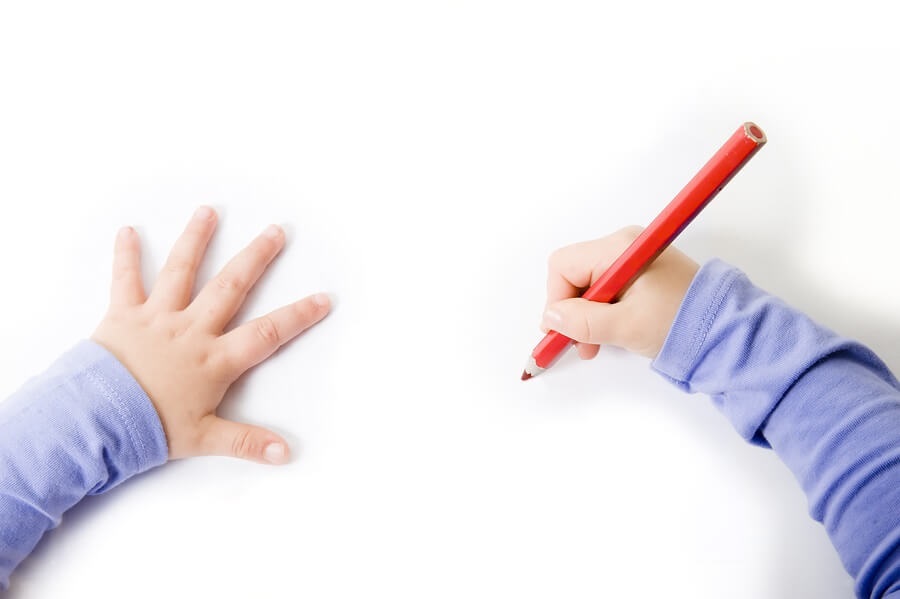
x=584 y=321
x=245 y=441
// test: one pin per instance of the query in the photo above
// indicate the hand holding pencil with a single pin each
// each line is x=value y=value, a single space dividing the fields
x=639 y=321
x=616 y=276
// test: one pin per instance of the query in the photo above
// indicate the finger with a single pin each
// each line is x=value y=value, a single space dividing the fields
x=587 y=351
x=254 y=341
x=127 y=283
x=574 y=268
x=585 y=321
x=245 y=441
x=176 y=280
x=220 y=299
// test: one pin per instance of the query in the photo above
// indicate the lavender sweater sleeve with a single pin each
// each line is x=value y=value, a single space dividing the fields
x=79 y=429
x=827 y=405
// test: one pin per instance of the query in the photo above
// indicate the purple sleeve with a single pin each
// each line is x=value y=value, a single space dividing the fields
x=79 y=429
x=827 y=405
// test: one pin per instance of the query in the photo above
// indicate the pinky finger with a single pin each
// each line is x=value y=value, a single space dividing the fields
x=127 y=283
x=254 y=341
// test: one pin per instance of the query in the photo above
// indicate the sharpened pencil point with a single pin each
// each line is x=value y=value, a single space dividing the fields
x=531 y=369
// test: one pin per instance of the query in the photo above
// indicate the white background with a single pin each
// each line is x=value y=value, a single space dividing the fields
x=425 y=158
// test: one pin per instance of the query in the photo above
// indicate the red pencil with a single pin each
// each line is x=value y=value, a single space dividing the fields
x=725 y=164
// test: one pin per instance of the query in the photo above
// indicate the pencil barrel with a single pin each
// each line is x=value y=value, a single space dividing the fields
x=551 y=346
x=660 y=233
x=679 y=213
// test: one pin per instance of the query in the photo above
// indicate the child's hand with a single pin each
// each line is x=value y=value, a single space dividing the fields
x=642 y=317
x=176 y=348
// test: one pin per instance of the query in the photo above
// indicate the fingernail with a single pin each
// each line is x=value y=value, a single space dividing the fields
x=321 y=299
x=203 y=213
x=273 y=232
x=552 y=319
x=126 y=232
x=275 y=453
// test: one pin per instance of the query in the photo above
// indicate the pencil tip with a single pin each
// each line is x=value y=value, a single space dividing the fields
x=531 y=369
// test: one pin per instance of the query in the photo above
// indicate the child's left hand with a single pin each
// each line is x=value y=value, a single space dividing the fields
x=177 y=349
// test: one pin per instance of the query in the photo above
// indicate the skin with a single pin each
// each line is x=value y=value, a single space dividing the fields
x=176 y=347
x=178 y=351
x=639 y=321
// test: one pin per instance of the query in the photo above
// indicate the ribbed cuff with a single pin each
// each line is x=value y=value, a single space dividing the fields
x=696 y=315
x=123 y=401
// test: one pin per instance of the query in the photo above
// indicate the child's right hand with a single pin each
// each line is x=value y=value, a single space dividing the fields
x=639 y=321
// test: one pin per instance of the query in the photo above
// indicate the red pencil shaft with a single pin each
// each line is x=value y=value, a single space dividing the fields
x=708 y=182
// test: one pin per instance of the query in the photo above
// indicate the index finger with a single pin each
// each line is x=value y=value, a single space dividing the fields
x=254 y=341
x=572 y=269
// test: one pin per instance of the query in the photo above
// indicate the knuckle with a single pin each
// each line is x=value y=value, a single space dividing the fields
x=220 y=363
x=556 y=258
x=588 y=329
x=267 y=331
x=123 y=272
x=230 y=283
x=630 y=233
x=179 y=266
x=243 y=446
